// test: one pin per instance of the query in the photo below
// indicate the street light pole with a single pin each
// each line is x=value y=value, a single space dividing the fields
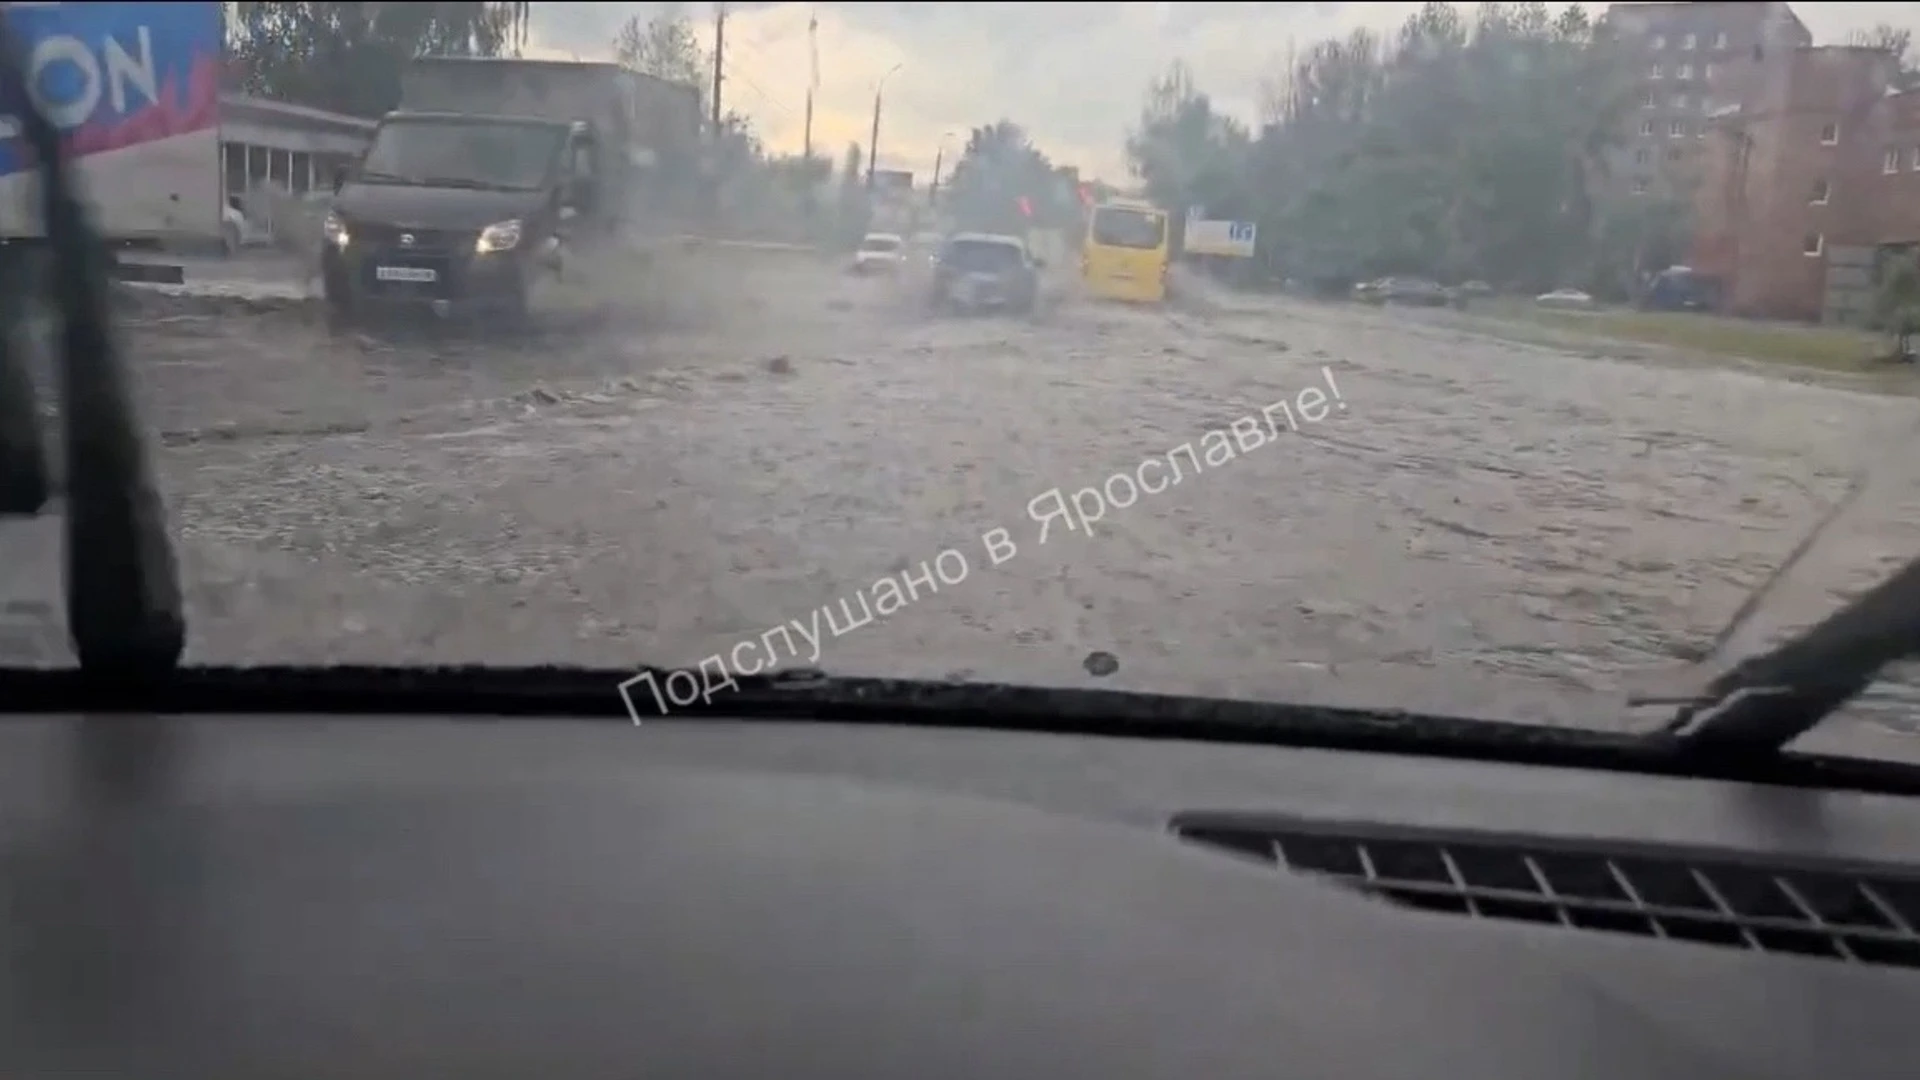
x=873 y=140
x=933 y=189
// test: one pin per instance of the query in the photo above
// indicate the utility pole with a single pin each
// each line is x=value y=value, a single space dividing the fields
x=873 y=141
x=813 y=81
x=939 y=155
x=719 y=58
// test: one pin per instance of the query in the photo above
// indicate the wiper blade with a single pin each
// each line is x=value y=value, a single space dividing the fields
x=124 y=607
x=462 y=183
x=1771 y=699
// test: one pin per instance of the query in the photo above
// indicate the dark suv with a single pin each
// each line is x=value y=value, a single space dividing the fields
x=985 y=272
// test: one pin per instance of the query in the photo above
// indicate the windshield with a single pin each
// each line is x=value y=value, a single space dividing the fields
x=662 y=421
x=981 y=256
x=514 y=156
x=1128 y=228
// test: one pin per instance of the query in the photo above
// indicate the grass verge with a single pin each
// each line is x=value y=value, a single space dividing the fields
x=1825 y=348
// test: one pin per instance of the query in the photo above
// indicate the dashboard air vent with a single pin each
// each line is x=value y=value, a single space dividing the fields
x=1863 y=915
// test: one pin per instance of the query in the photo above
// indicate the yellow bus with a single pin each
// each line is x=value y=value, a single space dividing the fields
x=1126 y=253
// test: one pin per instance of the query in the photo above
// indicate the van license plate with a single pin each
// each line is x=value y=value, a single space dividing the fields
x=405 y=273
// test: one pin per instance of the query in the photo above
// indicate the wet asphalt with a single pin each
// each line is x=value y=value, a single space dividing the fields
x=1462 y=523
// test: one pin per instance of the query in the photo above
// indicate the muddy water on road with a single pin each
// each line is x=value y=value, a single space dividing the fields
x=1487 y=527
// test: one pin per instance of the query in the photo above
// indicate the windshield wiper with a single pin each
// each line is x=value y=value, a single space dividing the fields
x=465 y=184
x=375 y=176
x=1768 y=700
x=123 y=600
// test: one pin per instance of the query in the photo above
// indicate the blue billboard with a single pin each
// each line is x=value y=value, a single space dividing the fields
x=116 y=75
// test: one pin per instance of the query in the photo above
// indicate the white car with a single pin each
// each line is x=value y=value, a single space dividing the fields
x=880 y=253
x=1565 y=298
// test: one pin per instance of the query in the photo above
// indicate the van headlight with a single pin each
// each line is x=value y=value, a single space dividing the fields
x=335 y=230
x=499 y=236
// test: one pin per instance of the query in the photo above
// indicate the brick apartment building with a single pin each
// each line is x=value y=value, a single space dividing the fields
x=1805 y=181
x=1806 y=163
x=1695 y=59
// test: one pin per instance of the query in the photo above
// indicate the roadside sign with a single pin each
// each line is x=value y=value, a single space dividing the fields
x=1233 y=239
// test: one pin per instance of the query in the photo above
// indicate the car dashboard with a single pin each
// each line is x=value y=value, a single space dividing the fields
x=366 y=897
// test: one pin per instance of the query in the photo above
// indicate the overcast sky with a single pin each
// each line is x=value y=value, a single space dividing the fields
x=1070 y=72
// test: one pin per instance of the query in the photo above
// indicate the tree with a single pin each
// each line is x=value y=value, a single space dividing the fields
x=1896 y=307
x=347 y=57
x=998 y=169
x=850 y=166
x=1184 y=153
x=1895 y=40
x=1463 y=146
x=666 y=47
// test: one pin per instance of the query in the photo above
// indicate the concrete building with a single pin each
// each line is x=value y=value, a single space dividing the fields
x=270 y=146
x=1805 y=181
x=1695 y=59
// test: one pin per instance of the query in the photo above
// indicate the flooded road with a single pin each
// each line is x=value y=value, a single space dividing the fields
x=1468 y=525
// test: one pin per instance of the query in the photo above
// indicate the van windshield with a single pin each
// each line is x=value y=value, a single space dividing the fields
x=1117 y=227
x=519 y=157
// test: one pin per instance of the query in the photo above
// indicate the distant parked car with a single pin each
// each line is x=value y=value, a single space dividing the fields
x=1564 y=298
x=1410 y=291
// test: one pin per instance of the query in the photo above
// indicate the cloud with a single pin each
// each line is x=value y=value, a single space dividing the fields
x=1071 y=73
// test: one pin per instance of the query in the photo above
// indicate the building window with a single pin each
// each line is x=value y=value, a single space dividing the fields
x=1659 y=41
x=1684 y=71
x=235 y=155
x=1676 y=129
x=1649 y=101
x=1814 y=245
x=1821 y=189
x=1706 y=71
x=1642 y=156
x=1829 y=134
x=1916 y=159
x=1890 y=162
x=1720 y=40
x=1639 y=185
x=1653 y=72
x=1690 y=42
x=1681 y=101
x=1673 y=153
x=1646 y=127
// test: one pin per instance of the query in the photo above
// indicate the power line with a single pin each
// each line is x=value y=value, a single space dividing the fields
x=758 y=89
x=719 y=57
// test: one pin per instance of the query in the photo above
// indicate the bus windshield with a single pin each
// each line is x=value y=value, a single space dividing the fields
x=1122 y=227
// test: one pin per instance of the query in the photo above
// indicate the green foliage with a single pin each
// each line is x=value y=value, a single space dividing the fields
x=1462 y=147
x=999 y=167
x=347 y=57
x=1896 y=304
